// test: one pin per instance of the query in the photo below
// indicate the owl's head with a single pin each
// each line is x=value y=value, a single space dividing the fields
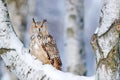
x=39 y=27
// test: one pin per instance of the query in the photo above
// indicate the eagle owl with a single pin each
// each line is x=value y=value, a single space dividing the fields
x=43 y=46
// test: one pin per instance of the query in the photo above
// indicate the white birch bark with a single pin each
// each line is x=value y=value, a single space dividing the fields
x=17 y=10
x=74 y=45
x=105 y=42
x=19 y=61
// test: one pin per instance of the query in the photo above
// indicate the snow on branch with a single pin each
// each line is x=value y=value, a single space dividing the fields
x=18 y=59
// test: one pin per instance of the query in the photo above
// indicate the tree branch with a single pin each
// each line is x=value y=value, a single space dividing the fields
x=19 y=61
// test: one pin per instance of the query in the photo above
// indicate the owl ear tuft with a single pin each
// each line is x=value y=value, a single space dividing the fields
x=34 y=23
x=43 y=22
x=34 y=20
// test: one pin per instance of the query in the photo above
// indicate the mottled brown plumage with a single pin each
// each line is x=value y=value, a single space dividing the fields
x=43 y=46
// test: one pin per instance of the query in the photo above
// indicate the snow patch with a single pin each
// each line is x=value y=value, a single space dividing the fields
x=59 y=75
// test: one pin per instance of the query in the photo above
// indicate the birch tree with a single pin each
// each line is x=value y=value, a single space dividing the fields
x=18 y=17
x=18 y=59
x=74 y=44
x=105 y=41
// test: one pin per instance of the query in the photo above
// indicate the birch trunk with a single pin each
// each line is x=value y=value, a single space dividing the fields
x=19 y=61
x=105 y=42
x=74 y=44
x=18 y=18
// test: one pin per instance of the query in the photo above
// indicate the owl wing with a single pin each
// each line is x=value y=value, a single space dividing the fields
x=52 y=51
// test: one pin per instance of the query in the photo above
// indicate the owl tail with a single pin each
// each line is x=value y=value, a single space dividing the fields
x=56 y=62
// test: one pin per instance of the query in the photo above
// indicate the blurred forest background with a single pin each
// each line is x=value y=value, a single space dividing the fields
x=70 y=22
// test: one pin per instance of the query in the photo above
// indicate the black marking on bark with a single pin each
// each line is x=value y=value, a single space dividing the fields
x=8 y=16
x=48 y=78
x=5 y=4
x=13 y=66
x=100 y=20
x=6 y=20
x=93 y=41
x=3 y=1
x=43 y=77
x=95 y=45
x=111 y=61
x=8 y=68
x=112 y=25
x=72 y=16
x=100 y=49
x=119 y=46
x=70 y=32
x=119 y=54
x=5 y=50
x=29 y=72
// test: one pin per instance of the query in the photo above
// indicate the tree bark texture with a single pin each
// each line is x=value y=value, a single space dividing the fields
x=105 y=42
x=17 y=10
x=18 y=59
x=74 y=44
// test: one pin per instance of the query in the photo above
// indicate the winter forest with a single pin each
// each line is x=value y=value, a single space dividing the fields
x=59 y=39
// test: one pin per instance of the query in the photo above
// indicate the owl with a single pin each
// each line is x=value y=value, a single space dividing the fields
x=43 y=46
